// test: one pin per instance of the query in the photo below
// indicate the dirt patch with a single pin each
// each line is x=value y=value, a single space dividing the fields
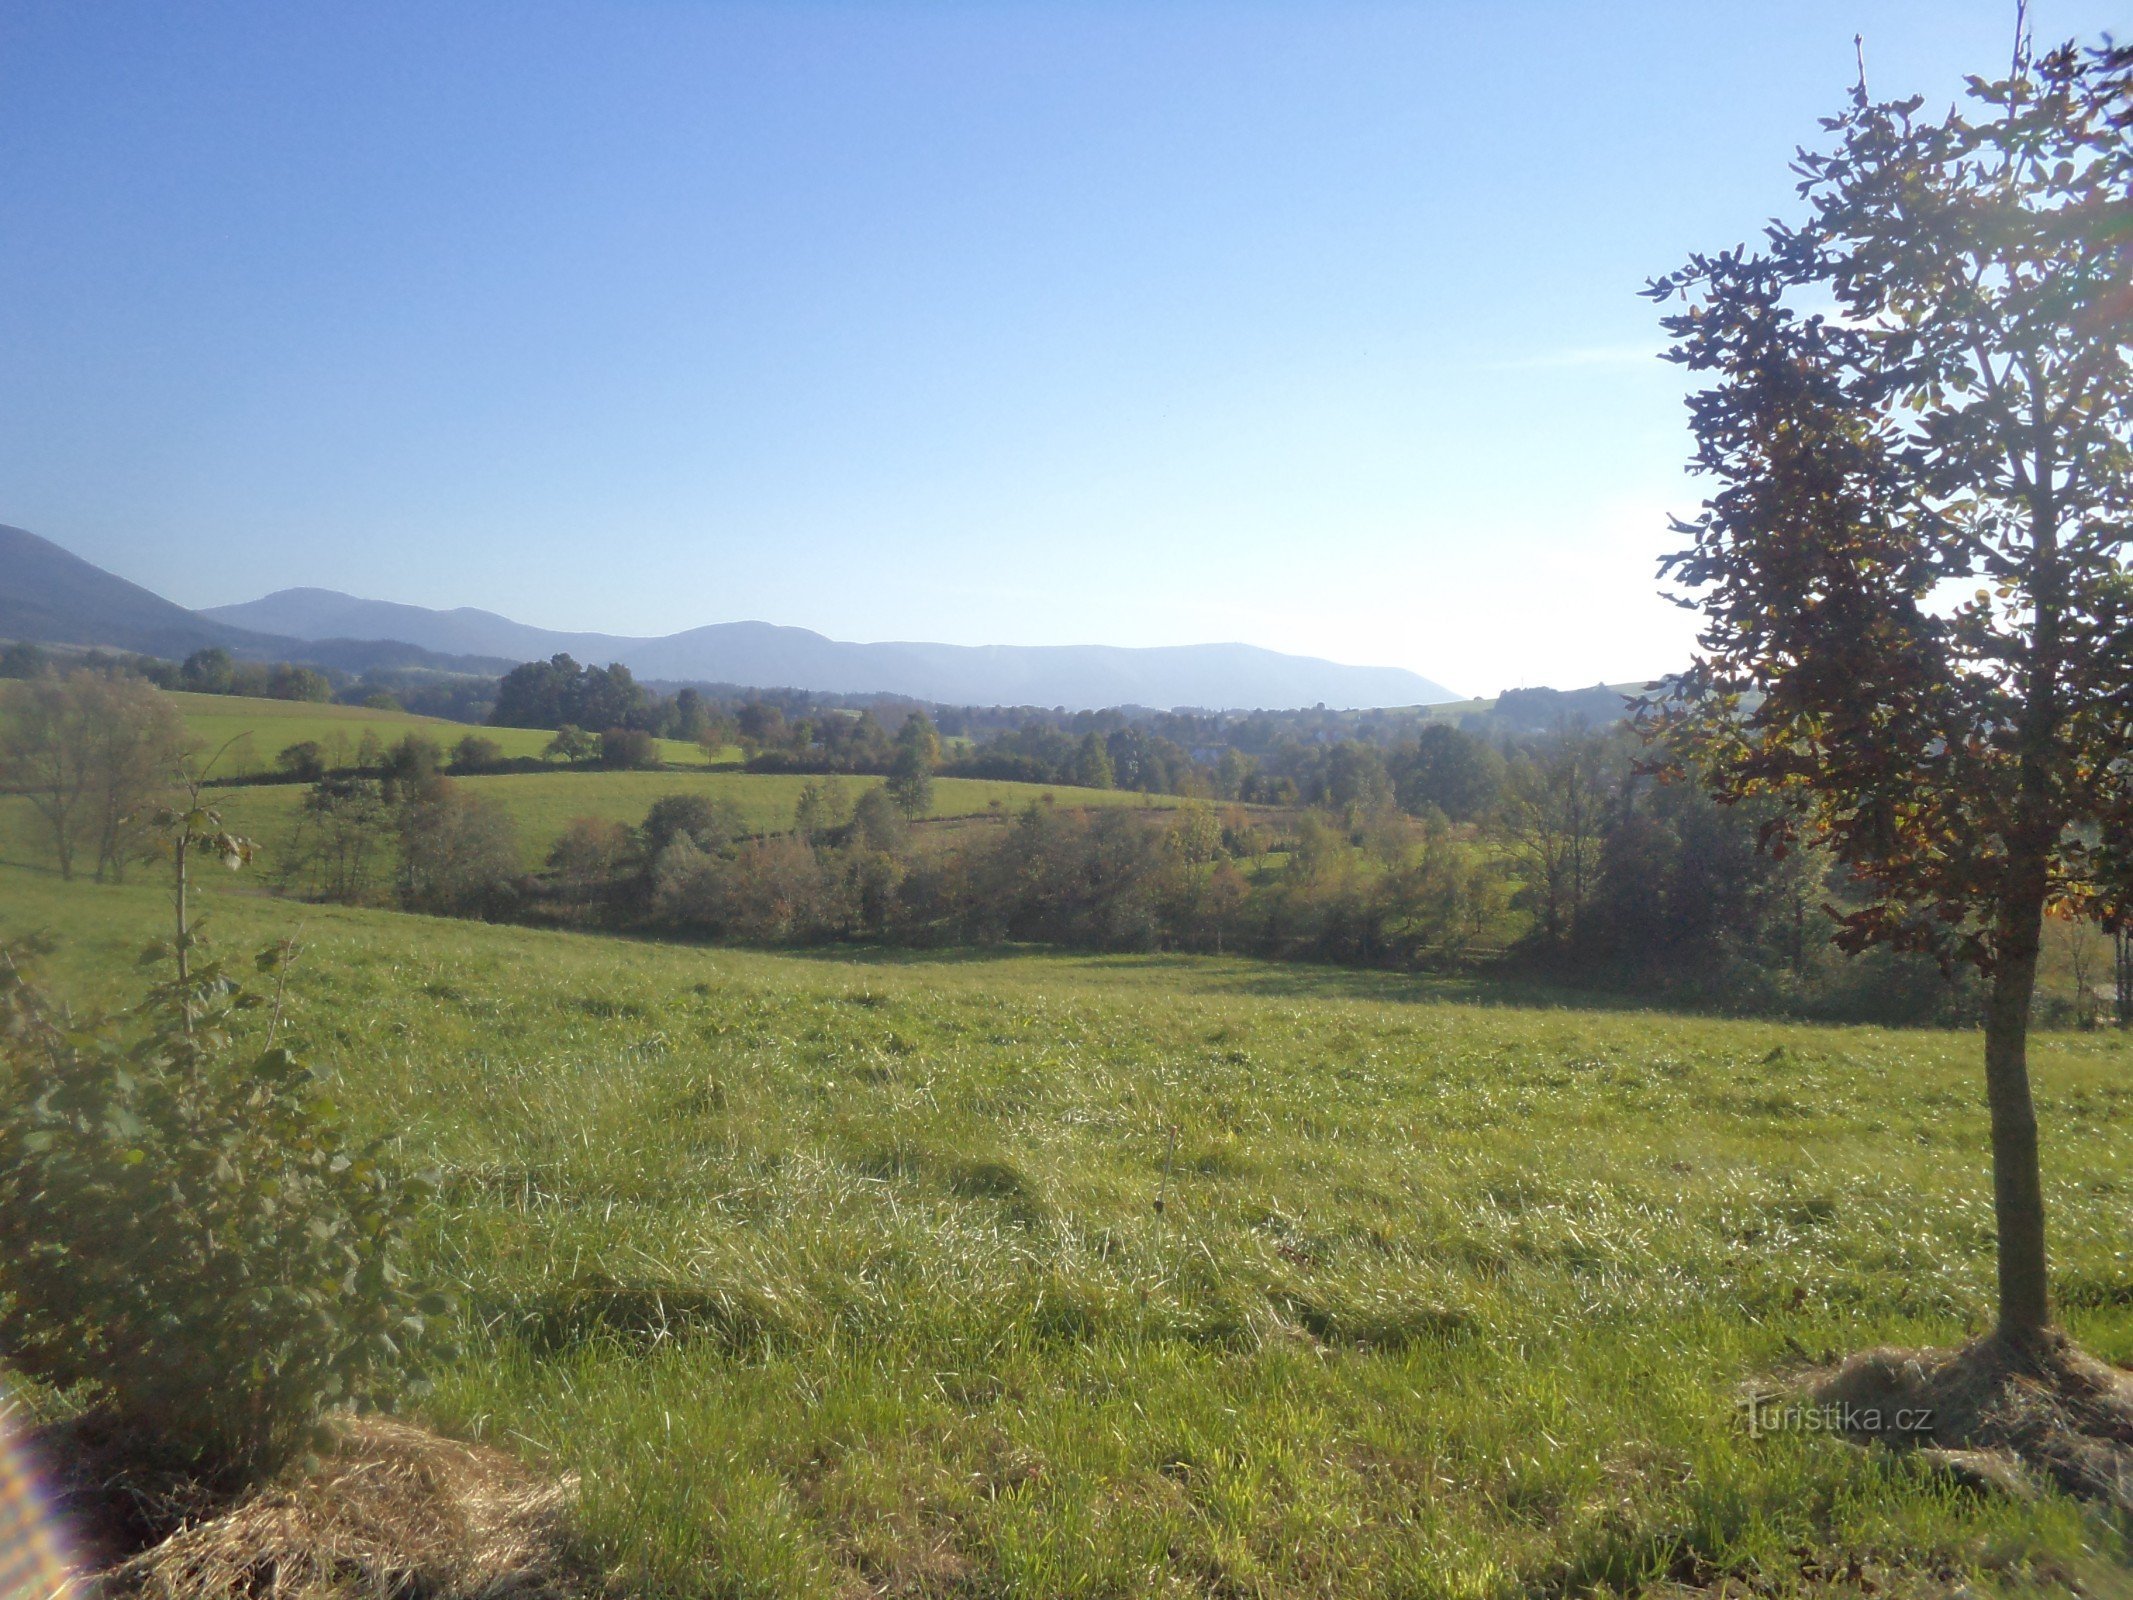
x=393 y=1512
x=1995 y=1415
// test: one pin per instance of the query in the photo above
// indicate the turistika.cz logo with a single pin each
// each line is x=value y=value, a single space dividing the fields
x=1761 y=1414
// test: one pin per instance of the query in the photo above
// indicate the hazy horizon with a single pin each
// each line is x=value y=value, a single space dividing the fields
x=1309 y=328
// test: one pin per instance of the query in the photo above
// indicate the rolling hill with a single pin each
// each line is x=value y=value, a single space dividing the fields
x=49 y=595
x=761 y=654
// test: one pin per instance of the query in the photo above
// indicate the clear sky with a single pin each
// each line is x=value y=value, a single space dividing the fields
x=1313 y=325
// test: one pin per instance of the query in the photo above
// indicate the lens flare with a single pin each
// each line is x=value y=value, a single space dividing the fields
x=35 y=1559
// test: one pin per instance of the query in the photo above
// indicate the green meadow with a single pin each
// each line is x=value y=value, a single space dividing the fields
x=257 y=730
x=1026 y=1274
x=542 y=803
x=545 y=803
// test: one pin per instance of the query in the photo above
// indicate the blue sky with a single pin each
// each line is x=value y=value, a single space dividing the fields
x=1310 y=325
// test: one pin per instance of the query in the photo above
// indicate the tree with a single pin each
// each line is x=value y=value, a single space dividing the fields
x=918 y=751
x=1915 y=617
x=207 y=671
x=877 y=822
x=705 y=822
x=286 y=681
x=90 y=753
x=1554 y=816
x=2122 y=975
x=1092 y=763
x=459 y=852
x=590 y=855
x=628 y=749
x=538 y=694
x=1356 y=781
x=343 y=824
x=688 y=718
x=474 y=753
x=412 y=770
x=136 y=740
x=302 y=762
x=188 y=1237
x=820 y=810
x=1451 y=770
x=572 y=744
x=718 y=732
x=44 y=756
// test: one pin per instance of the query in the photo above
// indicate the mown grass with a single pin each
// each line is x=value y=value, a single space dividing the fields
x=267 y=727
x=839 y=1275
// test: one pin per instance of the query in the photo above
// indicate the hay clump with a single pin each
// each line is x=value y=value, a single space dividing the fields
x=1997 y=1413
x=394 y=1512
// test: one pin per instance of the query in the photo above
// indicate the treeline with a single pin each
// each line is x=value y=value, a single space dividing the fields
x=1586 y=873
x=215 y=671
x=212 y=671
x=1101 y=878
x=1553 y=856
x=559 y=693
x=408 y=836
x=1314 y=757
x=98 y=757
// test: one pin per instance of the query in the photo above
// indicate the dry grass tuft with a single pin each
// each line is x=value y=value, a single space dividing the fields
x=2000 y=1413
x=396 y=1512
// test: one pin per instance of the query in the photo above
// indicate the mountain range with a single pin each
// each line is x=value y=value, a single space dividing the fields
x=50 y=596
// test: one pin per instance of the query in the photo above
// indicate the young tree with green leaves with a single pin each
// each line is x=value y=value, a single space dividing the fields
x=918 y=752
x=1917 y=623
x=189 y=1238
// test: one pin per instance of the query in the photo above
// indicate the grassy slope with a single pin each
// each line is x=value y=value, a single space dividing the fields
x=843 y=1275
x=545 y=803
x=275 y=724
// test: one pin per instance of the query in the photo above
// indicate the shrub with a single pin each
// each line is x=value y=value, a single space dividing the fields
x=628 y=749
x=572 y=744
x=412 y=769
x=476 y=754
x=706 y=822
x=590 y=855
x=185 y=1228
x=304 y=762
x=459 y=854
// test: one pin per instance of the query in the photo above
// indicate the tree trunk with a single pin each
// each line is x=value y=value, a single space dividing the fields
x=2017 y=1183
x=2122 y=962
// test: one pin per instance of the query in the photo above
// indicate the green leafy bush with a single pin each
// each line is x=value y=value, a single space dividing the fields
x=185 y=1228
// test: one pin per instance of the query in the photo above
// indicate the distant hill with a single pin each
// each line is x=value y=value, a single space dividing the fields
x=1542 y=710
x=762 y=655
x=51 y=596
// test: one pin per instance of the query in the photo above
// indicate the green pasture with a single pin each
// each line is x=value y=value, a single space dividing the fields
x=846 y=1275
x=266 y=727
x=545 y=803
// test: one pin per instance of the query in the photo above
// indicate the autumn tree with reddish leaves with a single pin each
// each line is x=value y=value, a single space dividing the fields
x=1915 y=610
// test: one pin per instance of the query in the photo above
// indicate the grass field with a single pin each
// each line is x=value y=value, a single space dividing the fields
x=844 y=1275
x=545 y=803
x=272 y=725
